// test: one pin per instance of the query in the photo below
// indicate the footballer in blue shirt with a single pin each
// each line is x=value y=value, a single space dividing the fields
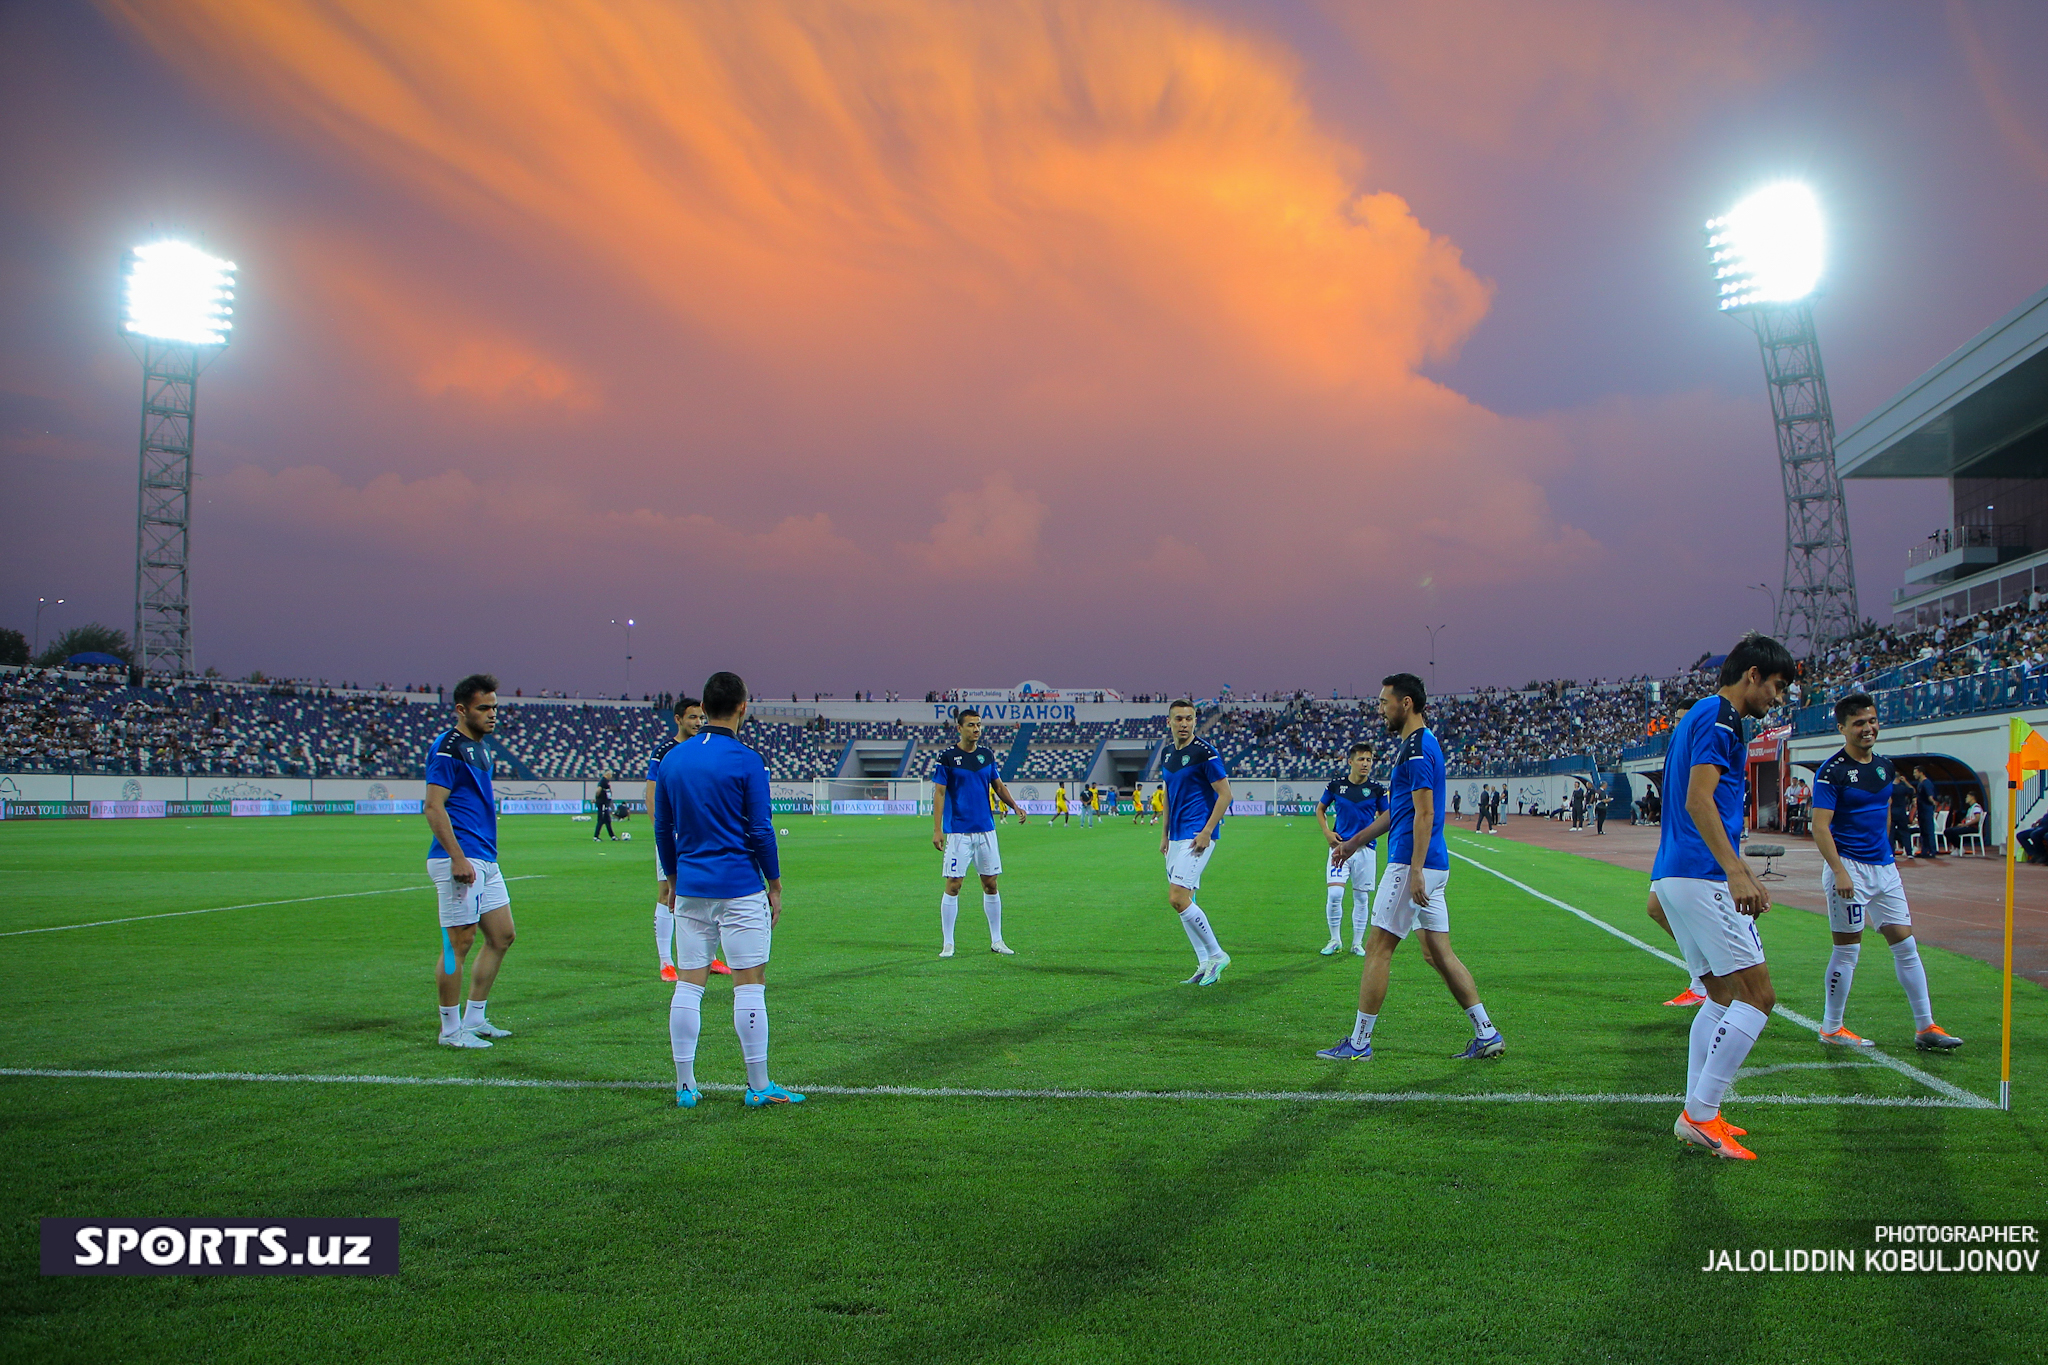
x=462 y=862
x=1411 y=896
x=1852 y=810
x=1358 y=801
x=722 y=875
x=1197 y=796
x=1708 y=896
x=966 y=783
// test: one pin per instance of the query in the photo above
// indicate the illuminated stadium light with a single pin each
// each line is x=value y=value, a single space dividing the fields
x=1768 y=248
x=175 y=317
x=1767 y=254
x=176 y=292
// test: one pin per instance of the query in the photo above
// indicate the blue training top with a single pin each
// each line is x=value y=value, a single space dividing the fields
x=1712 y=732
x=1418 y=763
x=1860 y=795
x=1191 y=775
x=1357 y=804
x=654 y=761
x=463 y=765
x=713 y=836
x=967 y=778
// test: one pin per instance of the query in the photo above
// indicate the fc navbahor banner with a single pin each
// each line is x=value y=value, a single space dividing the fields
x=220 y=1246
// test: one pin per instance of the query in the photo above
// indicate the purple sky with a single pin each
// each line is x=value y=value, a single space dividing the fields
x=1149 y=345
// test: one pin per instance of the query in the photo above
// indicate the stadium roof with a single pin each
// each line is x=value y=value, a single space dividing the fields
x=1981 y=413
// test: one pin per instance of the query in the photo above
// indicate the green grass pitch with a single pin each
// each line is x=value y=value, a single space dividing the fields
x=604 y=1224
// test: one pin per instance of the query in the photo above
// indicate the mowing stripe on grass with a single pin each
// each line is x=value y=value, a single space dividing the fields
x=252 y=905
x=961 y=1093
x=1934 y=1083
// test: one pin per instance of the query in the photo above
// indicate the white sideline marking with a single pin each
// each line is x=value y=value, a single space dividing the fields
x=961 y=1093
x=1934 y=1083
x=252 y=905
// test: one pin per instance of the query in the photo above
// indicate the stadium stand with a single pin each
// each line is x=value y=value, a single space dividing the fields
x=94 y=722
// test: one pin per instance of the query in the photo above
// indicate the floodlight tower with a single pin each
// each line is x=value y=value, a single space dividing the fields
x=176 y=320
x=1767 y=257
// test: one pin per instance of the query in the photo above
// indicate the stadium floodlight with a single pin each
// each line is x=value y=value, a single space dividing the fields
x=1767 y=255
x=176 y=317
x=1768 y=248
x=176 y=292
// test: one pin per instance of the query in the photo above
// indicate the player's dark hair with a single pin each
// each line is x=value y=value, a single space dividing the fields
x=1359 y=748
x=1409 y=686
x=473 y=684
x=960 y=716
x=1760 y=652
x=1180 y=704
x=724 y=694
x=685 y=703
x=1853 y=704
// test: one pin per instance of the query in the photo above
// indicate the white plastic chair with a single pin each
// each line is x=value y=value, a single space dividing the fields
x=1963 y=842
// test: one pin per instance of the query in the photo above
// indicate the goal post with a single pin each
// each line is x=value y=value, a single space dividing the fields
x=870 y=796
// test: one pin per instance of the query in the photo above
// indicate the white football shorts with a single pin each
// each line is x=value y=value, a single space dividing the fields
x=1356 y=872
x=1395 y=912
x=976 y=852
x=462 y=905
x=741 y=923
x=1184 y=866
x=1875 y=897
x=1715 y=938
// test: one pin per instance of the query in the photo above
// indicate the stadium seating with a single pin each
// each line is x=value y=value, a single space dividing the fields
x=53 y=721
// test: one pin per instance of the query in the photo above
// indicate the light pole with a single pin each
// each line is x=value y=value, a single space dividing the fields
x=177 y=320
x=1765 y=589
x=41 y=602
x=1768 y=252
x=627 y=626
x=1432 y=657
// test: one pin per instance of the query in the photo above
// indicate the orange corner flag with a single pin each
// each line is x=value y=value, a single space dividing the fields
x=2028 y=751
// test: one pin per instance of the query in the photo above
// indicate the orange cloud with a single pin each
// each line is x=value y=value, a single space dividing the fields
x=792 y=174
x=440 y=344
x=1104 y=241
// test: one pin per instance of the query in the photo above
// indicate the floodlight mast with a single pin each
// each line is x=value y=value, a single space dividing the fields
x=1767 y=254
x=176 y=320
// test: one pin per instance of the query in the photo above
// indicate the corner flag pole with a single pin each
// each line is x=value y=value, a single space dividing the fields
x=2012 y=800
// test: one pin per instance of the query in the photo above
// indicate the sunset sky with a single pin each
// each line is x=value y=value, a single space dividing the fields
x=1153 y=344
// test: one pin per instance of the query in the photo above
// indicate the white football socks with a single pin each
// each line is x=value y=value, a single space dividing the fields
x=451 y=1019
x=685 y=1023
x=750 y=1021
x=664 y=933
x=1703 y=1025
x=992 y=906
x=474 y=1015
x=1361 y=1031
x=1333 y=910
x=1737 y=1032
x=1841 y=976
x=1199 y=933
x=1913 y=980
x=949 y=910
x=1699 y=987
x=1361 y=914
x=1482 y=1027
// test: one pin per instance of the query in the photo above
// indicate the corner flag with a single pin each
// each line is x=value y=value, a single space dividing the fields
x=2026 y=751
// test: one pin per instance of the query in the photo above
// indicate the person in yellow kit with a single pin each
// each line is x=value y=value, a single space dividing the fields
x=1059 y=804
x=1158 y=802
